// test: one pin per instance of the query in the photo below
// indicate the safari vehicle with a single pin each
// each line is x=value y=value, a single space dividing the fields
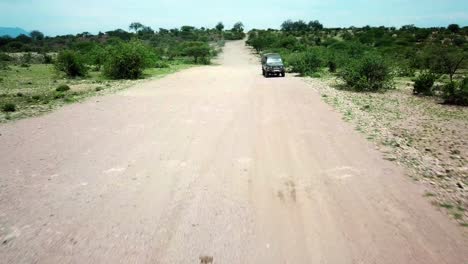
x=272 y=64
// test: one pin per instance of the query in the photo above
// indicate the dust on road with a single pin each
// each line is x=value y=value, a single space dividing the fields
x=215 y=164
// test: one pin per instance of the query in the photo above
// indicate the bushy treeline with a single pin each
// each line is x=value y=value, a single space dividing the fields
x=369 y=58
x=119 y=54
x=161 y=38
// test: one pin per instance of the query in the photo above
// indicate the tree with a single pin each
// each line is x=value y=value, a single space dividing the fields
x=454 y=28
x=220 y=26
x=120 y=33
x=289 y=25
x=238 y=27
x=36 y=35
x=127 y=60
x=70 y=63
x=23 y=38
x=136 y=26
x=445 y=60
x=315 y=25
x=196 y=50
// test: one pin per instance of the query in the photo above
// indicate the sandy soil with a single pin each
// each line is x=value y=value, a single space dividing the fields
x=214 y=162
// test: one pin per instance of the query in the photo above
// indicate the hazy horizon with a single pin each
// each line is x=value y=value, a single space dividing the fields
x=55 y=17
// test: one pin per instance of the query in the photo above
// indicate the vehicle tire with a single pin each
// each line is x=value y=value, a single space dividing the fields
x=263 y=72
x=283 y=74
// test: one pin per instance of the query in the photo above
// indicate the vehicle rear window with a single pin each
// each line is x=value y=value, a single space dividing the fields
x=274 y=60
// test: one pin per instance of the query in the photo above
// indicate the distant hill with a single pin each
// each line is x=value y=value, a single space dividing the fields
x=12 y=32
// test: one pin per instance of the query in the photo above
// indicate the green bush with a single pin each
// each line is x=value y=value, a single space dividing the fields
x=5 y=57
x=332 y=66
x=9 y=107
x=370 y=73
x=197 y=50
x=127 y=60
x=161 y=64
x=70 y=63
x=456 y=93
x=423 y=84
x=305 y=63
x=47 y=59
x=62 y=88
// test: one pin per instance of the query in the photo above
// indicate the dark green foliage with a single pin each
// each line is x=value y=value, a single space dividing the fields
x=454 y=28
x=445 y=60
x=47 y=59
x=161 y=64
x=26 y=58
x=423 y=84
x=219 y=26
x=238 y=27
x=197 y=50
x=70 y=63
x=233 y=35
x=136 y=26
x=36 y=35
x=128 y=60
x=305 y=63
x=456 y=92
x=62 y=88
x=5 y=57
x=370 y=73
x=332 y=66
x=404 y=70
x=9 y=107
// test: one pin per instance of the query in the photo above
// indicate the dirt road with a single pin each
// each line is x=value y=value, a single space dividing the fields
x=214 y=161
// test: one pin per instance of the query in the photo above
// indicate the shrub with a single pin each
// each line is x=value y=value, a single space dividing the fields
x=127 y=60
x=423 y=84
x=370 y=73
x=197 y=50
x=5 y=57
x=331 y=66
x=305 y=63
x=26 y=58
x=161 y=64
x=70 y=63
x=100 y=88
x=456 y=93
x=62 y=88
x=9 y=107
x=47 y=59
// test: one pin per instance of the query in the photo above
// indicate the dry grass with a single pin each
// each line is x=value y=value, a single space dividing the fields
x=428 y=138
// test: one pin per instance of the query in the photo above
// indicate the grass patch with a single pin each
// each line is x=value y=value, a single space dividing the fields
x=446 y=205
x=429 y=194
x=26 y=92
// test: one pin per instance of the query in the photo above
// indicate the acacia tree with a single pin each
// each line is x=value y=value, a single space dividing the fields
x=220 y=26
x=446 y=60
x=454 y=28
x=196 y=50
x=136 y=26
x=36 y=35
x=238 y=27
x=315 y=25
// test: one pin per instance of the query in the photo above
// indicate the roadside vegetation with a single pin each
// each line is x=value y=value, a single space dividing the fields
x=372 y=58
x=35 y=69
x=405 y=89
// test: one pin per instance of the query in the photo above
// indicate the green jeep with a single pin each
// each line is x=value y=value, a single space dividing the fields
x=272 y=64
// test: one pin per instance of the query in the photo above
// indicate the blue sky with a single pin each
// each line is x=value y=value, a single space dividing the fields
x=66 y=16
